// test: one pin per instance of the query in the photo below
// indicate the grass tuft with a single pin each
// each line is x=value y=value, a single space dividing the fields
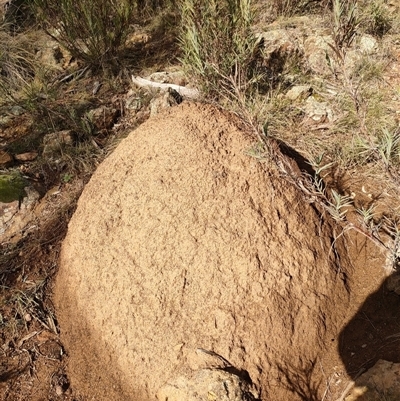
x=376 y=19
x=17 y=64
x=218 y=46
x=289 y=8
x=92 y=30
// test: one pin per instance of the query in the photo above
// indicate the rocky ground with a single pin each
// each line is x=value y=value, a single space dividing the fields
x=328 y=109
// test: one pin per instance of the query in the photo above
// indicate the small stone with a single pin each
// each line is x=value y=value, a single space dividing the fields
x=55 y=141
x=26 y=157
x=316 y=111
x=27 y=317
x=59 y=390
x=164 y=100
x=6 y=160
x=316 y=50
x=393 y=283
x=51 y=349
x=133 y=101
x=368 y=44
x=17 y=110
x=103 y=117
x=299 y=92
x=5 y=120
x=277 y=41
x=382 y=378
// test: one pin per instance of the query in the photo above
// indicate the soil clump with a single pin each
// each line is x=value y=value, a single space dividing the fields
x=182 y=242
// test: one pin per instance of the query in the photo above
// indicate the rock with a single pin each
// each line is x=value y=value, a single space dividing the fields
x=317 y=112
x=16 y=204
x=299 y=92
x=7 y=212
x=56 y=141
x=96 y=87
x=26 y=157
x=278 y=41
x=137 y=38
x=17 y=110
x=382 y=379
x=6 y=160
x=189 y=243
x=164 y=100
x=5 y=121
x=133 y=101
x=316 y=50
x=186 y=92
x=393 y=283
x=208 y=384
x=51 y=55
x=103 y=117
x=368 y=44
x=278 y=46
x=168 y=77
x=32 y=196
x=59 y=390
x=51 y=349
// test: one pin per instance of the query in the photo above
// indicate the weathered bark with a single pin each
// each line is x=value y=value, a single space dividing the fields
x=189 y=93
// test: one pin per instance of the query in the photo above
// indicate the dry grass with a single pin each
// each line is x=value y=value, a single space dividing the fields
x=17 y=63
x=218 y=47
x=288 y=8
x=92 y=31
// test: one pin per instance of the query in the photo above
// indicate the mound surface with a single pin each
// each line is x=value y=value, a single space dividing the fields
x=182 y=243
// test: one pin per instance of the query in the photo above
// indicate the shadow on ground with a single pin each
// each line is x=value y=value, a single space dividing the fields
x=374 y=331
x=372 y=334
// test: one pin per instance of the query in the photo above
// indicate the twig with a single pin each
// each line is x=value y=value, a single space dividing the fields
x=75 y=75
x=350 y=385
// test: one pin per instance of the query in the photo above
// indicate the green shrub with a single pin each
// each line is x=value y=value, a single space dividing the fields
x=218 y=47
x=92 y=30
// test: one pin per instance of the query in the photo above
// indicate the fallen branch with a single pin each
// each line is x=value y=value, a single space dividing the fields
x=189 y=93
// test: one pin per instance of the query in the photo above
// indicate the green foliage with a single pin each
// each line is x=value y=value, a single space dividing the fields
x=384 y=148
x=219 y=49
x=11 y=187
x=338 y=205
x=92 y=30
x=367 y=216
x=388 y=147
x=67 y=177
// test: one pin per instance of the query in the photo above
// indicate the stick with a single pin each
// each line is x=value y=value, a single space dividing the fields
x=190 y=93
